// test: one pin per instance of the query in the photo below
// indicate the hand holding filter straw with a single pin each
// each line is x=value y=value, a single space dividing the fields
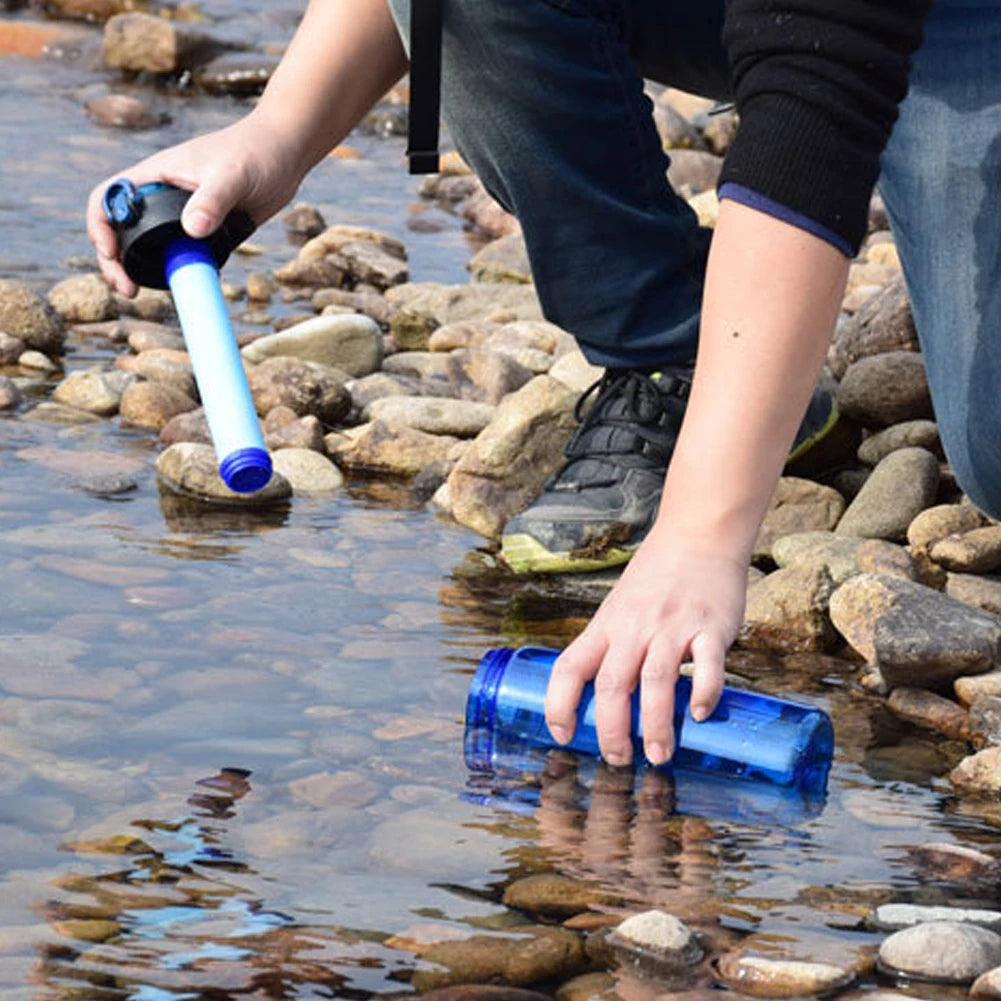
x=157 y=253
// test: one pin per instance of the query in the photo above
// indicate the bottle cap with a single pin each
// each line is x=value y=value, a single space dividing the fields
x=481 y=707
x=246 y=470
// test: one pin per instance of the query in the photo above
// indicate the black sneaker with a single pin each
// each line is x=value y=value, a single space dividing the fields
x=598 y=508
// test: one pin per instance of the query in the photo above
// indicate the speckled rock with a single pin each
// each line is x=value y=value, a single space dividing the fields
x=193 y=470
x=486 y=376
x=883 y=324
x=798 y=506
x=939 y=522
x=658 y=939
x=787 y=611
x=166 y=367
x=191 y=426
x=944 y=951
x=307 y=471
x=503 y=260
x=427 y=365
x=899 y=489
x=894 y=917
x=885 y=389
x=979 y=774
x=985 y=721
x=980 y=592
x=917 y=637
x=83 y=299
x=976 y=551
x=475 y=301
x=25 y=315
x=350 y=342
x=305 y=387
x=283 y=429
x=347 y=254
x=881 y=557
x=780 y=978
x=552 y=895
x=933 y=711
x=144 y=43
x=122 y=111
x=93 y=391
x=509 y=461
x=835 y=552
x=969 y=689
x=396 y=451
x=379 y=385
x=911 y=434
x=575 y=371
x=304 y=219
x=458 y=418
x=153 y=404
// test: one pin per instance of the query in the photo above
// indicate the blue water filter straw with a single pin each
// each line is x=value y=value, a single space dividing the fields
x=158 y=254
x=749 y=736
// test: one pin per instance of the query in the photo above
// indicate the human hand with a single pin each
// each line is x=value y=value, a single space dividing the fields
x=674 y=601
x=245 y=165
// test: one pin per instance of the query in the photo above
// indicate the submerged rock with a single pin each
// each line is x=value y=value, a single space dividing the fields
x=123 y=111
x=979 y=774
x=552 y=895
x=193 y=470
x=893 y=917
x=944 y=951
x=656 y=940
x=10 y=395
x=927 y=709
x=780 y=978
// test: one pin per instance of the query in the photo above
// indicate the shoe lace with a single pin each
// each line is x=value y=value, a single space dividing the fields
x=634 y=404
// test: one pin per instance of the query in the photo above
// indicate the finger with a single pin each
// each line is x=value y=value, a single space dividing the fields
x=708 y=657
x=574 y=668
x=212 y=201
x=658 y=678
x=613 y=688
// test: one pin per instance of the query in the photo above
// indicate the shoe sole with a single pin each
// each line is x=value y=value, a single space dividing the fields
x=524 y=554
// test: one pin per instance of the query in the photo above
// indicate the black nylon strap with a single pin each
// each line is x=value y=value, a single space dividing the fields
x=425 y=85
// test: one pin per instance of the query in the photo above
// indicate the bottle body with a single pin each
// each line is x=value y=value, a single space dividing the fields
x=748 y=736
x=244 y=463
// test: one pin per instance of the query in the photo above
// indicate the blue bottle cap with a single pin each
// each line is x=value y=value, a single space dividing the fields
x=481 y=707
x=246 y=470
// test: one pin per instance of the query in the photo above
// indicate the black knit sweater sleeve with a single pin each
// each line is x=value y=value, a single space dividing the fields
x=818 y=84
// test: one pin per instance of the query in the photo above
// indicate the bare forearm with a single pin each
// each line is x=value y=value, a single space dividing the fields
x=345 y=55
x=771 y=299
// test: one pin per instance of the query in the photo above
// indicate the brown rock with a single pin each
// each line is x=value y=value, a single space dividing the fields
x=397 y=451
x=483 y=992
x=303 y=386
x=985 y=721
x=144 y=43
x=122 y=111
x=27 y=316
x=93 y=391
x=486 y=376
x=261 y=286
x=676 y=131
x=798 y=506
x=979 y=773
x=191 y=427
x=86 y=10
x=324 y=790
x=11 y=348
x=780 y=978
x=787 y=611
x=304 y=219
x=880 y=557
x=83 y=299
x=883 y=324
x=939 y=522
x=885 y=389
x=554 y=896
x=695 y=170
x=193 y=470
x=153 y=404
x=283 y=429
x=968 y=690
x=977 y=551
x=980 y=592
x=927 y=709
x=503 y=260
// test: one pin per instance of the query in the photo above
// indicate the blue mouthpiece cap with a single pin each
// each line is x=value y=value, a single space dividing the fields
x=246 y=470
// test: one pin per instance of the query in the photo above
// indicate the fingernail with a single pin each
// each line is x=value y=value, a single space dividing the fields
x=198 y=223
x=656 y=754
x=699 y=713
x=617 y=759
x=560 y=734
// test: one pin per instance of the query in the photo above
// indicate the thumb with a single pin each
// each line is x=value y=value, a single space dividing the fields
x=210 y=204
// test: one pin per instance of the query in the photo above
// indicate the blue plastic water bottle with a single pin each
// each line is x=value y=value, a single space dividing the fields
x=749 y=735
x=156 y=253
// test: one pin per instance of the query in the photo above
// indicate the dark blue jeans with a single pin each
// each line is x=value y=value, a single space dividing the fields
x=545 y=99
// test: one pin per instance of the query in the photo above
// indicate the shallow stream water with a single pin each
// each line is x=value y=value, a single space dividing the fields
x=231 y=745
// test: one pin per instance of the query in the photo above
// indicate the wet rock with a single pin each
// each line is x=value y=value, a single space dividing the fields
x=37 y=362
x=325 y=789
x=83 y=299
x=979 y=774
x=153 y=404
x=192 y=469
x=283 y=429
x=260 y=288
x=798 y=506
x=917 y=637
x=144 y=43
x=939 y=522
x=307 y=471
x=787 y=611
x=95 y=392
x=485 y=376
x=304 y=219
x=28 y=317
x=242 y=75
x=588 y=987
x=88 y=929
x=11 y=348
x=305 y=387
x=911 y=434
x=456 y=303
x=191 y=427
x=933 y=711
x=885 y=389
x=894 y=917
x=483 y=992
x=943 y=860
x=987 y=987
x=656 y=939
x=396 y=451
x=503 y=260
x=976 y=551
x=694 y=170
x=944 y=951
x=458 y=418
x=554 y=896
x=122 y=111
x=970 y=689
x=985 y=721
x=106 y=484
x=10 y=395
x=341 y=253
x=351 y=343
x=882 y=325
x=898 y=490
x=508 y=462
x=780 y=978
x=575 y=371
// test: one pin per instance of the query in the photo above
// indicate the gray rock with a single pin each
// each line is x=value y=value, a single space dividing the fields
x=696 y=170
x=37 y=362
x=837 y=553
x=894 y=917
x=458 y=418
x=11 y=348
x=307 y=471
x=192 y=469
x=83 y=299
x=350 y=343
x=911 y=434
x=157 y=367
x=985 y=721
x=787 y=611
x=943 y=951
x=883 y=324
x=10 y=395
x=379 y=385
x=885 y=389
x=977 y=551
x=969 y=690
x=900 y=488
x=917 y=637
x=797 y=506
x=575 y=371
x=659 y=938
x=303 y=386
x=486 y=376
x=28 y=317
